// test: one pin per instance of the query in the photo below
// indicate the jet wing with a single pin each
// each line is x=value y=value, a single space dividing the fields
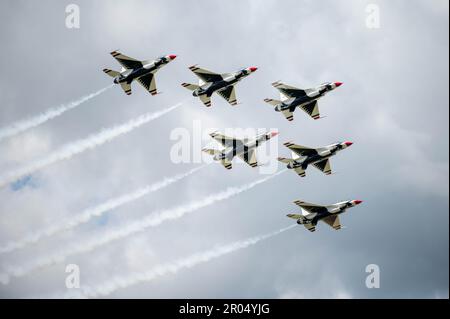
x=333 y=221
x=313 y=208
x=229 y=94
x=206 y=75
x=289 y=91
x=148 y=82
x=125 y=61
x=312 y=109
x=324 y=166
x=225 y=140
x=126 y=87
x=300 y=150
x=249 y=157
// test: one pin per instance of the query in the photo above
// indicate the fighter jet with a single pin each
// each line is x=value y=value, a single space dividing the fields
x=142 y=71
x=292 y=97
x=223 y=84
x=312 y=213
x=318 y=157
x=245 y=149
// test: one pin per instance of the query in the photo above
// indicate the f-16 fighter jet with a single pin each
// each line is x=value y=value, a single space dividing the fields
x=245 y=149
x=222 y=84
x=312 y=213
x=292 y=97
x=318 y=157
x=142 y=71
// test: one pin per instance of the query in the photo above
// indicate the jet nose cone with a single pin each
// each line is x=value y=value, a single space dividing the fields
x=338 y=84
x=348 y=143
x=253 y=69
x=357 y=202
x=172 y=56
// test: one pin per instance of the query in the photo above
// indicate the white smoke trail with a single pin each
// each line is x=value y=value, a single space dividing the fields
x=77 y=147
x=152 y=220
x=121 y=282
x=95 y=211
x=47 y=115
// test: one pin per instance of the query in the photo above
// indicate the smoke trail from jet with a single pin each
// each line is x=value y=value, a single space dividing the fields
x=77 y=147
x=121 y=282
x=95 y=211
x=47 y=115
x=137 y=226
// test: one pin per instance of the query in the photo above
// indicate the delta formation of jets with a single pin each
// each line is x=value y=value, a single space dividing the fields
x=291 y=98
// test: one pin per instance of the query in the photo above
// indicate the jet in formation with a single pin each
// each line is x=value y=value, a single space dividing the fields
x=312 y=213
x=318 y=157
x=142 y=71
x=222 y=84
x=245 y=149
x=306 y=99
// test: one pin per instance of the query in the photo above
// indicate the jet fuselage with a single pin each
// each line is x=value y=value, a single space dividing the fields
x=240 y=148
x=326 y=152
x=129 y=75
x=313 y=95
x=210 y=87
x=335 y=209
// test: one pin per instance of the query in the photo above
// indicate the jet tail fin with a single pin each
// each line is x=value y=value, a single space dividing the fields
x=272 y=102
x=111 y=73
x=126 y=87
x=189 y=86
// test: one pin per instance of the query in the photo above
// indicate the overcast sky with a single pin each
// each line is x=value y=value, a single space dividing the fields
x=394 y=106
